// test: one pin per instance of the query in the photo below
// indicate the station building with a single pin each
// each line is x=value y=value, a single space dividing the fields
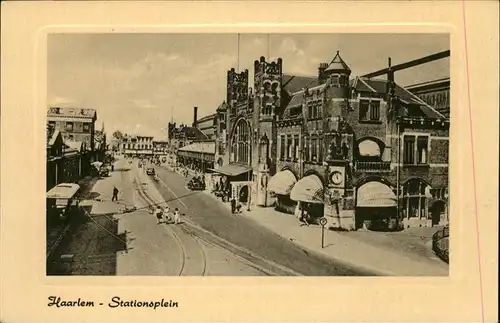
x=359 y=151
x=339 y=155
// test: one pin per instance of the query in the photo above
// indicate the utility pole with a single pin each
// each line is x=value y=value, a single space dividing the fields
x=238 y=57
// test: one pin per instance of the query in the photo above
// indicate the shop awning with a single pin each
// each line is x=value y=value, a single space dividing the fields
x=282 y=182
x=309 y=189
x=375 y=194
x=232 y=169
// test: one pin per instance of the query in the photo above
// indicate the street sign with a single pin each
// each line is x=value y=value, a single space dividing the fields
x=323 y=221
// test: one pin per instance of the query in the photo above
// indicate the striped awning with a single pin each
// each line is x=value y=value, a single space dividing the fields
x=375 y=194
x=309 y=189
x=282 y=182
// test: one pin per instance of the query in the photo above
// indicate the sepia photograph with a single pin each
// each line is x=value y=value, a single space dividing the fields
x=244 y=154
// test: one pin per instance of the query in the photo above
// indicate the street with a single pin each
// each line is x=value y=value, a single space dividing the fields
x=252 y=240
x=209 y=241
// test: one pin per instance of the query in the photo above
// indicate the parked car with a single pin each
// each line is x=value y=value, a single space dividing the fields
x=196 y=184
x=150 y=171
x=104 y=171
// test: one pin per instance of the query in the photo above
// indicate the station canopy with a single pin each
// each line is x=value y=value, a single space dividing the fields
x=232 y=169
x=200 y=147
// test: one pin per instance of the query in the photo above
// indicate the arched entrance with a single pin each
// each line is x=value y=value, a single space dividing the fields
x=243 y=194
x=376 y=206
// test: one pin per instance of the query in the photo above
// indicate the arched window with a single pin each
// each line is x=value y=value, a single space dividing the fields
x=241 y=143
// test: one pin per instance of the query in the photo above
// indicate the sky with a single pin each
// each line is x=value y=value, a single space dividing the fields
x=139 y=82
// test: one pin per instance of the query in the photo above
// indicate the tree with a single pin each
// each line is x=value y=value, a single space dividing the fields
x=118 y=135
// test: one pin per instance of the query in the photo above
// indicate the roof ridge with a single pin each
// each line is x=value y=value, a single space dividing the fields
x=422 y=101
x=428 y=82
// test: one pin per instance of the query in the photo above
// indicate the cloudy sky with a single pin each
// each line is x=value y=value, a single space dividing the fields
x=135 y=81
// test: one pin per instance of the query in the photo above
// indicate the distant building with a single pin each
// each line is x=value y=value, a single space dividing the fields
x=100 y=144
x=160 y=147
x=138 y=146
x=182 y=135
x=434 y=93
x=208 y=126
x=74 y=124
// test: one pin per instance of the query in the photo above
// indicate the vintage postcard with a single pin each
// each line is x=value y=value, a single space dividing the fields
x=201 y=172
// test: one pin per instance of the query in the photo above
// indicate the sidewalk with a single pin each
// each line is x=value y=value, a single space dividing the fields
x=340 y=246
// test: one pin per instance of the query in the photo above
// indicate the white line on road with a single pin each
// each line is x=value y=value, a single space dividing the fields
x=244 y=250
x=175 y=195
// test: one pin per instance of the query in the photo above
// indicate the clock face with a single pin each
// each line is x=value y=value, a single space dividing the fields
x=336 y=177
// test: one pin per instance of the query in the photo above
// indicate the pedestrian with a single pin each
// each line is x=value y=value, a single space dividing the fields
x=166 y=211
x=176 y=216
x=115 y=194
x=304 y=217
x=158 y=215
x=233 y=205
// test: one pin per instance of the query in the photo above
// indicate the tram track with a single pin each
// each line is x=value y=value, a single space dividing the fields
x=181 y=243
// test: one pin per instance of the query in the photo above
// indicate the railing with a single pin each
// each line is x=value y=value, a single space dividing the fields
x=373 y=166
x=441 y=246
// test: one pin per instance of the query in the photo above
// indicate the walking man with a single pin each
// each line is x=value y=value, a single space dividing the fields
x=233 y=205
x=158 y=215
x=176 y=216
x=115 y=194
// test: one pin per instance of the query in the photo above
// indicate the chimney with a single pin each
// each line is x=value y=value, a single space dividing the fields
x=195 y=118
x=321 y=72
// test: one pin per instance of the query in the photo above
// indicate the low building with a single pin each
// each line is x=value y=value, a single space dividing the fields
x=199 y=155
x=67 y=162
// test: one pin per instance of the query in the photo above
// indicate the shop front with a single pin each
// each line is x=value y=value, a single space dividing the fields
x=308 y=192
x=376 y=207
x=281 y=185
x=229 y=176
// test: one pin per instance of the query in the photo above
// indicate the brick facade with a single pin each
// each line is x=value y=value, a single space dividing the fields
x=324 y=124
